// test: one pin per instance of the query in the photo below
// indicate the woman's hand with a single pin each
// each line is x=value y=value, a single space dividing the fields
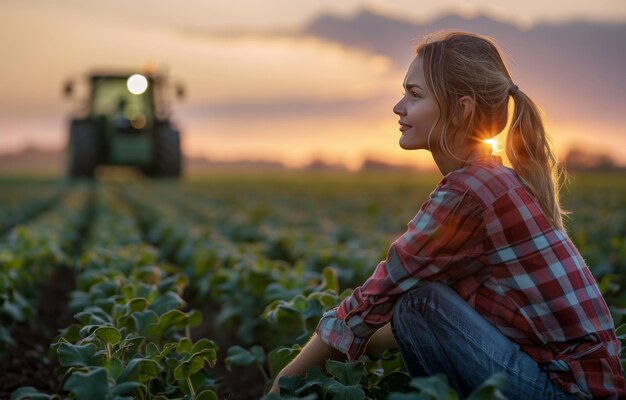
x=315 y=352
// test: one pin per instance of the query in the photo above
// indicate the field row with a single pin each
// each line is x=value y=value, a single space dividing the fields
x=263 y=258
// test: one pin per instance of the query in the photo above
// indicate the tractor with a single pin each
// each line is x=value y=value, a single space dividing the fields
x=125 y=122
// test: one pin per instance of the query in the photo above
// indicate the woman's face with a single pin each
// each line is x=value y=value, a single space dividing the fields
x=417 y=110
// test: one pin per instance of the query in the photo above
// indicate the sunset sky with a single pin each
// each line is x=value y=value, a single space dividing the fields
x=256 y=88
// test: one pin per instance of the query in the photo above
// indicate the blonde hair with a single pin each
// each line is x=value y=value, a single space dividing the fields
x=459 y=64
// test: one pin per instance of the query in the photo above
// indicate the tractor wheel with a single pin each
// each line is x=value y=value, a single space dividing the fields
x=167 y=162
x=83 y=149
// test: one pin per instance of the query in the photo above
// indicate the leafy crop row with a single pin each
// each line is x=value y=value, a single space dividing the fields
x=268 y=258
x=31 y=253
x=132 y=337
x=20 y=203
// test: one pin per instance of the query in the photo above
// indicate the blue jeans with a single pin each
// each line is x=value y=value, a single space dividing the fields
x=438 y=332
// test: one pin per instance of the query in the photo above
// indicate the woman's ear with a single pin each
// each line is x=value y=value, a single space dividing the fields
x=467 y=105
x=466 y=108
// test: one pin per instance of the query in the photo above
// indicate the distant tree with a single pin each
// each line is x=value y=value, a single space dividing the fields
x=321 y=165
x=377 y=165
x=581 y=160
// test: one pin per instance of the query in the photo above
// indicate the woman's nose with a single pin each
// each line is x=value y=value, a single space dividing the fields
x=399 y=108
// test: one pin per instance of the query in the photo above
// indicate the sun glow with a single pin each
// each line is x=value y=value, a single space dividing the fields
x=494 y=145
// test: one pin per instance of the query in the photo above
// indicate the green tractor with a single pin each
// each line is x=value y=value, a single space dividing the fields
x=124 y=123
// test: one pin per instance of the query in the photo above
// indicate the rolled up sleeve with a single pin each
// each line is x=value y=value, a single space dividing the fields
x=441 y=244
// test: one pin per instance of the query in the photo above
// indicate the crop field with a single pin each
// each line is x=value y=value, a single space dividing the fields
x=204 y=288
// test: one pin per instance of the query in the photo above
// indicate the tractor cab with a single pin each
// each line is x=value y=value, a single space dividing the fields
x=126 y=123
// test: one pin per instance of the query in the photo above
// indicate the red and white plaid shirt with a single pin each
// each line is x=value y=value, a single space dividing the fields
x=485 y=235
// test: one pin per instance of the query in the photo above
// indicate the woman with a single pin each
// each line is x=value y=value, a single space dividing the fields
x=485 y=279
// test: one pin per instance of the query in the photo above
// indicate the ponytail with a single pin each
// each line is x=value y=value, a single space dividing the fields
x=530 y=153
x=465 y=64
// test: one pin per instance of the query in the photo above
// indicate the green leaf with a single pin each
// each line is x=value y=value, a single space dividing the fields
x=209 y=355
x=434 y=387
x=408 y=396
x=168 y=347
x=152 y=350
x=315 y=380
x=140 y=369
x=146 y=323
x=194 y=318
x=71 y=355
x=87 y=330
x=30 y=393
x=203 y=344
x=114 y=367
x=127 y=389
x=280 y=357
x=311 y=396
x=290 y=384
x=390 y=362
x=71 y=334
x=273 y=312
x=195 y=363
x=327 y=298
x=166 y=302
x=345 y=392
x=108 y=334
x=129 y=345
x=313 y=309
x=137 y=304
x=239 y=356
x=329 y=279
x=188 y=368
x=177 y=282
x=258 y=352
x=207 y=394
x=89 y=385
x=129 y=291
x=93 y=315
x=258 y=281
x=170 y=319
x=126 y=322
x=345 y=373
x=184 y=346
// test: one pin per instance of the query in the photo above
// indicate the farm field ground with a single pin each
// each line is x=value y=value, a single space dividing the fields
x=204 y=288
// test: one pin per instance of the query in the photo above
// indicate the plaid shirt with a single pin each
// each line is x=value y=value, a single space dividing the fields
x=485 y=235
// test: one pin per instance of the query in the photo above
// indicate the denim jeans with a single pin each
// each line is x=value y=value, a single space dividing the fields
x=438 y=332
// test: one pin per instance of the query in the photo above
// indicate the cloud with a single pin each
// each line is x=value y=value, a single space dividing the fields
x=574 y=69
x=562 y=65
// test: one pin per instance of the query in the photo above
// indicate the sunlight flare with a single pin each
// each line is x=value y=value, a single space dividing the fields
x=494 y=145
x=137 y=84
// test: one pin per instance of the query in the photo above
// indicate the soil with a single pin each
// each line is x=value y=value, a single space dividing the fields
x=28 y=363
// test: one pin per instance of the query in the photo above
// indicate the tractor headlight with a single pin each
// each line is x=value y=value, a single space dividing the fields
x=137 y=84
